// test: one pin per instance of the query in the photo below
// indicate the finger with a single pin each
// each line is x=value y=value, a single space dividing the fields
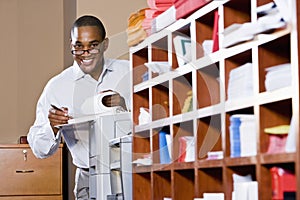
x=52 y=110
x=106 y=91
x=54 y=122
x=58 y=112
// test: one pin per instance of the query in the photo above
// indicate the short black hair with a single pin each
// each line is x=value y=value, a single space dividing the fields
x=88 y=20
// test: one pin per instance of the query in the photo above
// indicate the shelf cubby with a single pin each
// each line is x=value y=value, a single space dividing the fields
x=141 y=145
x=235 y=13
x=143 y=98
x=273 y=53
x=160 y=101
x=244 y=170
x=144 y=181
x=184 y=180
x=162 y=184
x=182 y=92
x=180 y=130
x=234 y=62
x=204 y=31
x=209 y=136
x=209 y=180
x=208 y=86
x=271 y=115
x=139 y=71
x=266 y=178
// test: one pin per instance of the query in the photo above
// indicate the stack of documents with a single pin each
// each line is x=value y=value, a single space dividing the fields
x=242 y=135
x=159 y=15
x=240 y=82
x=237 y=33
x=278 y=76
x=244 y=188
x=135 y=31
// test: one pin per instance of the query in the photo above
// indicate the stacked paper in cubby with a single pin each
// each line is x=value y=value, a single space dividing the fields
x=160 y=14
x=135 y=31
x=278 y=76
x=213 y=196
x=277 y=138
x=186 y=149
x=244 y=188
x=236 y=33
x=240 y=83
x=234 y=136
x=242 y=132
x=185 y=7
x=164 y=146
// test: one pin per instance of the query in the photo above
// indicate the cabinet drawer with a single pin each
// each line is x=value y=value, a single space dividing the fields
x=32 y=198
x=23 y=174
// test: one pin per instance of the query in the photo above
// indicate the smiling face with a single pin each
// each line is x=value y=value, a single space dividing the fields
x=87 y=38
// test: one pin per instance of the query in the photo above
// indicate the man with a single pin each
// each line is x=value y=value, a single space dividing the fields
x=89 y=75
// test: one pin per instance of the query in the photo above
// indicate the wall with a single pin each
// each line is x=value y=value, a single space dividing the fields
x=31 y=38
x=114 y=14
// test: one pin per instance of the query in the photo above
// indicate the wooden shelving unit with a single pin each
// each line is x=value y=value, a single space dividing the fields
x=207 y=77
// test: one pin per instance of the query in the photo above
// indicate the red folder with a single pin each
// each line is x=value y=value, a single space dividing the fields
x=282 y=181
x=215 y=35
x=187 y=7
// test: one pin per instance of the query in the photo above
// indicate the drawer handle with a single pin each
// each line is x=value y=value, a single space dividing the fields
x=25 y=171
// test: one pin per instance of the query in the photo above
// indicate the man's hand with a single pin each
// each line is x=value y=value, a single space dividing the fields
x=58 y=116
x=114 y=100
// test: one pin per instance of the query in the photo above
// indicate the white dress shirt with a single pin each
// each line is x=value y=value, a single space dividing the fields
x=70 y=89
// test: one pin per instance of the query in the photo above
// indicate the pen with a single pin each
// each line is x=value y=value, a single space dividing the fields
x=57 y=108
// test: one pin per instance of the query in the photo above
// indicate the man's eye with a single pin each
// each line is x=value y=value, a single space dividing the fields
x=94 y=45
x=78 y=46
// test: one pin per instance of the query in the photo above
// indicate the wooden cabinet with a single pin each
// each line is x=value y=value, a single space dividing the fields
x=23 y=176
x=208 y=121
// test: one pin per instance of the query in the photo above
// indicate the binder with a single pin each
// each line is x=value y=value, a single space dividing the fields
x=163 y=148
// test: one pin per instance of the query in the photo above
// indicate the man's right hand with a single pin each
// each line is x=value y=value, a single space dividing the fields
x=57 y=117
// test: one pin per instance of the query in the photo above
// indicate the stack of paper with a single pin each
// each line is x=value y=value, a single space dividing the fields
x=240 y=82
x=213 y=196
x=244 y=188
x=186 y=149
x=164 y=146
x=164 y=19
x=135 y=31
x=278 y=76
x=237 y=33
x=159 y=15
x=242 y=135
x=186 y=7
x=277 y=138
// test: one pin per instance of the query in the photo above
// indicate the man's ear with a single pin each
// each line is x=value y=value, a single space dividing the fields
x=70 y=41
x=105 y=44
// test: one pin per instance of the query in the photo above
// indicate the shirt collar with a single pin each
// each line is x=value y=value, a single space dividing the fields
x=78 y=73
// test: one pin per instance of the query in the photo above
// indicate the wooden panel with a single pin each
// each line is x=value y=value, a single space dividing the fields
x=32 y=198
x=23 y=174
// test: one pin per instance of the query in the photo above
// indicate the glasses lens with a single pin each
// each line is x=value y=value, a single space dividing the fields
x=94 y=51
x=77 y=52
x=80 y=52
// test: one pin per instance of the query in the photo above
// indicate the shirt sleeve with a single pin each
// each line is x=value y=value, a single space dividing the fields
x=41 y=137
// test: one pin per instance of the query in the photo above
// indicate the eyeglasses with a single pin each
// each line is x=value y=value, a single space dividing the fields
x=81 y=51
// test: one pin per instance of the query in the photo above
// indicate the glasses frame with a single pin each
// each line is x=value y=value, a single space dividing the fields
x=97 y=50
